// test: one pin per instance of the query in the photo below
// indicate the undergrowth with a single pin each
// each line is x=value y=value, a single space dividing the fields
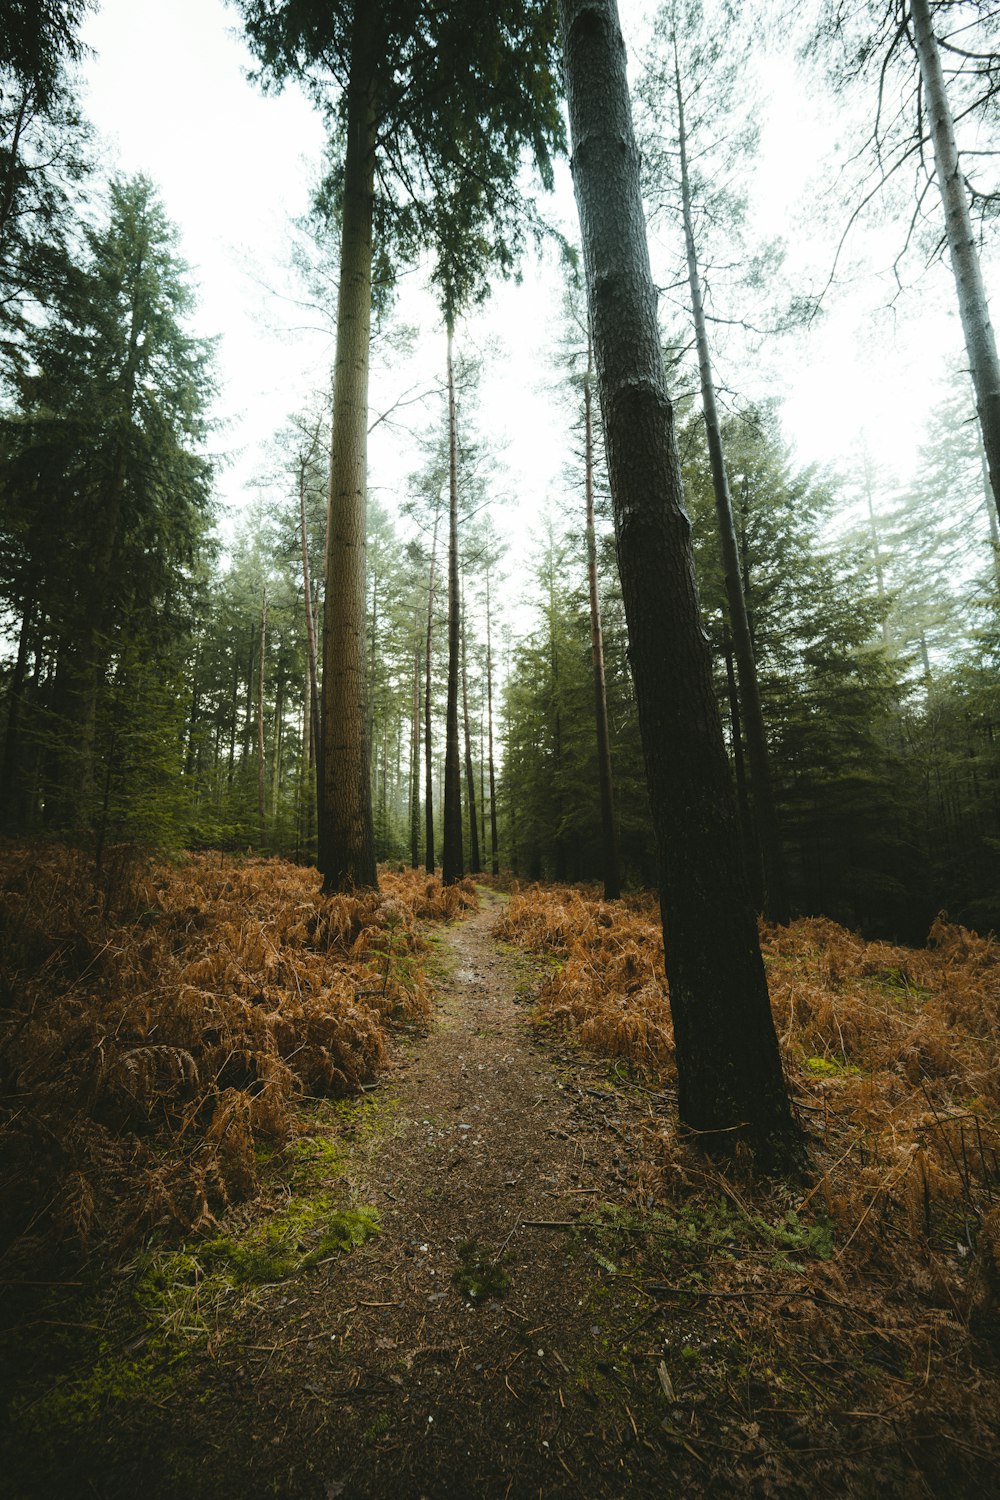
x=893 y=1061
x=157 y=1046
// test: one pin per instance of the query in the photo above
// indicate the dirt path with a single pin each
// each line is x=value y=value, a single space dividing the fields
x=385 y=1376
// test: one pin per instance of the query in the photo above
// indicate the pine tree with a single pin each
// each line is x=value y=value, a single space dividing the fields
x=436 y=103
x=729 y=1070
x=107 y=480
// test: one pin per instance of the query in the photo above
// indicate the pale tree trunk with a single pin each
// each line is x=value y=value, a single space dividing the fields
x=452 y=852
x=558 y=797
x=470 y=779
x=261 y=768
x=312 y=670
x=415 y=765
x=346 y=832
x=730 y=1082
x=494 y=843
x=609 y=842
x=980 y=342
x=428 y=736
x=765 y=818
x=482 y=783
x=278 y=745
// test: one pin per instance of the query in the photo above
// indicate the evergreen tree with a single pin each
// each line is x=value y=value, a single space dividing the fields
x=729 y=1070
x=436 y=103
x=107 y=483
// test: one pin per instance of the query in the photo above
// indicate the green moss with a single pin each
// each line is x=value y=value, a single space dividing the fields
x=479 y=1275
x=308 y=1230
x=313 y=1159
x=691 y=1235
x=828 y=1067
x=378 y=1428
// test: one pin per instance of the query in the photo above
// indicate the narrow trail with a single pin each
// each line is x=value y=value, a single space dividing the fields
x=382 y=1377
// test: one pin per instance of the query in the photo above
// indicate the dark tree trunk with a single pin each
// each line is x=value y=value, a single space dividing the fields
x=730 y=1081
x=346 y=832
x=415 y=766
x=494 y=842
x=428 y=738
x=261 y=768
x=312 y=666
x=470 y=778
x=609 y=841
x=452 y=855
x=765 y=817
x=10 y=772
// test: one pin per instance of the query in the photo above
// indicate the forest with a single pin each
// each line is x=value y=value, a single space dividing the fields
x=498 y=991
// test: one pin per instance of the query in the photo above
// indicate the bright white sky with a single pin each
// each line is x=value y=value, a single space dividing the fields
x=167 y=90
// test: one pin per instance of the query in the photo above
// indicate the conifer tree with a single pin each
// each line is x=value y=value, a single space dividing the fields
x=433 y=101
x=106 y=477
x=729 y=1070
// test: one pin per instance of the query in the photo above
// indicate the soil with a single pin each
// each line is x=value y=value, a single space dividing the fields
x=471 y=1349
x=531 y=1320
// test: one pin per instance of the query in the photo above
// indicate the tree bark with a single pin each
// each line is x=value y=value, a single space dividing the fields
x=312 y=673
x=346 y=831
x=730 y=1081
x=980 y=341
x=609 y=842
x=428 y=737
x=452 y=854
x=765 y=817
x=10 y=772
x=261 y=768
x=494 y=842
x=415 y=765
x=470 y=779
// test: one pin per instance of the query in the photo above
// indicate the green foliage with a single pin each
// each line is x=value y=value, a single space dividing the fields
x=551 y=794
x=690 y=1235
x=480 y=1276
x=462 y=93
x=828 y=688
x=107 y=494
x=307 y=1231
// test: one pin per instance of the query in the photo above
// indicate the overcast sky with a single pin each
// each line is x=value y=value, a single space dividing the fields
x=167 y=89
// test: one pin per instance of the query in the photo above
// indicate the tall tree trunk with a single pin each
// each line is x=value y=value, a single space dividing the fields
x=452 y=854
x=10 y=771
x=312 y=673
x=494 y=842
x=730 y=1082
x=736 y=727
x=765 y=814
x=557 y=790
x=470 y=779
x=609 y=841
x=261 y=768
x=482 y=783
x=278 y=744
x=346 y=832
x=980 y=341
x=415 y=765
x=428 y=737
x=233 y=719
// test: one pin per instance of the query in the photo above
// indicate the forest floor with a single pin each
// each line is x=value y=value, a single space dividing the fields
x=528 y=1307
